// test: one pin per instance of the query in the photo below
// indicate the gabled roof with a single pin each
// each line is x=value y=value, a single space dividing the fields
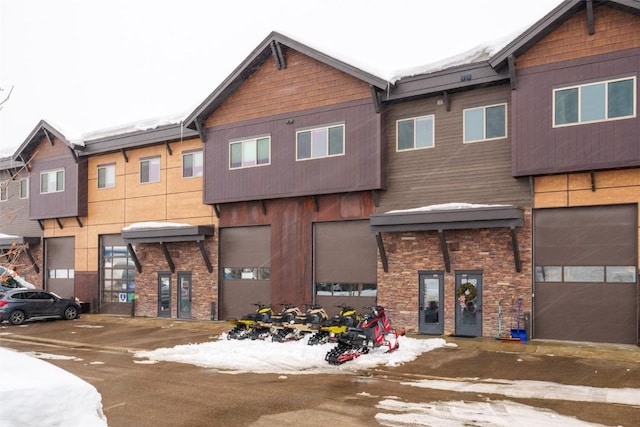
x=44 y=130
x=550 y=22
x=272 y=45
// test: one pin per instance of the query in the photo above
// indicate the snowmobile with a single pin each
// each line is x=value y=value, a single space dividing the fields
x=370 y=333
x=346 y=318
x=249 y=326
x=294 y=324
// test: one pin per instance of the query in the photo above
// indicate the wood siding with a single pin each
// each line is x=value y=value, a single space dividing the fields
x=541 y=149
x=304 y=84
x=14 y=211
x=450 y=171
x=567 y=56
x=68 y=203
x=291 y=222
x=614 y=31
x=358 y=169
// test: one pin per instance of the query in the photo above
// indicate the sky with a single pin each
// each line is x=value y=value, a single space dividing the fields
x=50 y=388
x=90 y=65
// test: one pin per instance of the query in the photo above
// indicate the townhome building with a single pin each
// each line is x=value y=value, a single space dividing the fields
x=122 y=218
x=576 y=135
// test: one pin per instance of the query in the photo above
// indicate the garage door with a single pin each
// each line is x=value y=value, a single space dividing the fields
x=585 y=274
x=245 y=259
x=60 y=262
x=345 y=264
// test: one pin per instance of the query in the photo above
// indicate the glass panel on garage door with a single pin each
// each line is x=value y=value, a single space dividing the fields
x=585 y=274
x=245 y=260
x=345 y=260
x=117 y=276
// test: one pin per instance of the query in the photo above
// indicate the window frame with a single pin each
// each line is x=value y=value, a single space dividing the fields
x=432 y=117
x=313 y=129
x=151 y=161
x=250 y=140
x=56 y=172
x=107 y=167
x=21 y=195
x=605 y=103
x=4 y=191
x=484 y=123
x=193 y=154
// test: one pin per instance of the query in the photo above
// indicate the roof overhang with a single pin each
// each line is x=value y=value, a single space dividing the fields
x=8 y=242
x=164 y=235
x=441 y=220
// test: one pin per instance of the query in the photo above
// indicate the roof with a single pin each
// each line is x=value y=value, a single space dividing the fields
x=274 y=45
x=44 y=129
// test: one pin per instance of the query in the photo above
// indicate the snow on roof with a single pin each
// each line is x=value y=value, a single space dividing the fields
x=152 y=224
x=71 y=134
x=444 y=207
x=140 y=125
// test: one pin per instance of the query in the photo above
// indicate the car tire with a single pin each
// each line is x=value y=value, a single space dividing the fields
x=70 y=313
x=17 y=317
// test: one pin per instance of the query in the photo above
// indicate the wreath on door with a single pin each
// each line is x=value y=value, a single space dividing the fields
x=467 y=292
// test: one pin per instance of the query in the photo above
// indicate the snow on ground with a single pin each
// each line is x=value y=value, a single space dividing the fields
x=37 y=393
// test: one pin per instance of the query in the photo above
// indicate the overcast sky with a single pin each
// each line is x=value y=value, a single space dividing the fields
x=96 y=64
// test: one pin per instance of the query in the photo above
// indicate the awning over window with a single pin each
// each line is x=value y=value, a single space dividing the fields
x=163 y=233
x=451 y=216
x=9 y=243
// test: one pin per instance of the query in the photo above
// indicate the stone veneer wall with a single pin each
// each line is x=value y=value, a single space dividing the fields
x=486 y=250
x=187 y=258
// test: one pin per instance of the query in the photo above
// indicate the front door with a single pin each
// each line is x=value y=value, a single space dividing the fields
x=184 y=295
x=468 y=306
x=431 y=300
x=164 y=294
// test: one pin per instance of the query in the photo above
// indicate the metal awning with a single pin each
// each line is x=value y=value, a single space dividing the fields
x=440 y=220
x=164 y=235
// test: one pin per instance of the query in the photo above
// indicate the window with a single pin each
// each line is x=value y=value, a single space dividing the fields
x=247 y=273
x=597 y=274
x=107 y=176
x=347 y=289
x=415 y=133
x=4 y=191
x=594 y=102
x=150 y=170
x=23 y=189
x=250 y=152
x=192 y=164
x=320 y=142
x=485 y=123
x=52 y=181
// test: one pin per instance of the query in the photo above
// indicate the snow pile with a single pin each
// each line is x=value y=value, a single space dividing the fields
x=38 y=393
x=287 y=358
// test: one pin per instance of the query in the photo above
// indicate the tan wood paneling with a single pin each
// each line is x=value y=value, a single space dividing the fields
x=107 y=212
x=555 y=199
x=550 y=183
x=149 y=208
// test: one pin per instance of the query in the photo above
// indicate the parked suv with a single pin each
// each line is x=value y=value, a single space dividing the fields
x=19 y=305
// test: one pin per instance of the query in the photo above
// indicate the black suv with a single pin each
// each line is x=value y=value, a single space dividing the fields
x=19 y=305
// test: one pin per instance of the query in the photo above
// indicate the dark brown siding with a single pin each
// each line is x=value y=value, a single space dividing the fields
x=68 y=203
x=451 y=171
x=542 y=149
x=358 y=169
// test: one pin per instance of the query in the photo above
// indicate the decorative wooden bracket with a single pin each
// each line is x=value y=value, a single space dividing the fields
x=383 y=253
x=445 y=251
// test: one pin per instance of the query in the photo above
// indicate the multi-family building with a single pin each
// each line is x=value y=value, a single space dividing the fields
x=496 y=191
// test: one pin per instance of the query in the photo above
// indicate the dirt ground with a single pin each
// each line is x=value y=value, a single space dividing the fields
x=184 y=395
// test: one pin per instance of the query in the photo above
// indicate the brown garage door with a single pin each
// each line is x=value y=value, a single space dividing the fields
x=60 y=262
x=345 y=261
x=245 y=260
x=585 y=274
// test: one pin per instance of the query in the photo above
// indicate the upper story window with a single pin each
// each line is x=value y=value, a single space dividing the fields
x=250 y=152
x=52 y=181
x=485 y=123
x=415 y=133
x=107 y=176
x=192 y=164
x=594 y=102
x=320 y=142
x=4 y=191
x=23 y=189
x=150 y=170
